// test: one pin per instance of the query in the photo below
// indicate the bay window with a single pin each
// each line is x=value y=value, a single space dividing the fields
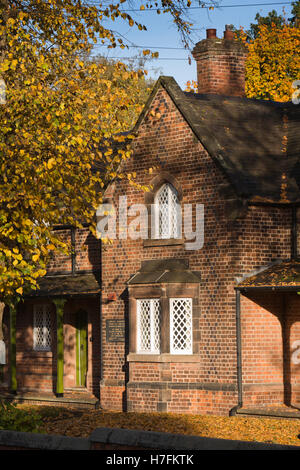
x=164 y=312
x=148 y=340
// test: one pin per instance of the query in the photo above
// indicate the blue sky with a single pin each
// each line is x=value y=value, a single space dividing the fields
x=161 y=33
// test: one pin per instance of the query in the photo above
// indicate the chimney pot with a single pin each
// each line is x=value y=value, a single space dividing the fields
x=228 y=33
x=211 y=33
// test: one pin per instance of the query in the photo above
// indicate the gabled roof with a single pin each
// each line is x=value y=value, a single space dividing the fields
x=284 y=275
x=164 y=271
x=255 y=142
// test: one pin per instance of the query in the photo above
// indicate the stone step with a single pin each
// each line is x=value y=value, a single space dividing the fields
x=82 y=401
x=75 y=389
x=77 y=392
x=270 y=412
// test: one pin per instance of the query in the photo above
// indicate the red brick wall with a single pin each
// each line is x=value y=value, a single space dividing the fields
x=61 y=261
x=88 y=253
x=262 y=348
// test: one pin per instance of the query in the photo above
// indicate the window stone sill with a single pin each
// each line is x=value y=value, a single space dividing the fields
x=134 y=357
x=36 y=352
x=163 y=242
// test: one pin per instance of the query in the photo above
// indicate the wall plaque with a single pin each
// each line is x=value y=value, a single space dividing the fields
x=115 y=330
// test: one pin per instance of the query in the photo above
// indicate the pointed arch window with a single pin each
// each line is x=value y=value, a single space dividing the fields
x=167 y=213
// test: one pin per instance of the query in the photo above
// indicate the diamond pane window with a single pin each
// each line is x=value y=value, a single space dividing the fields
x=148 y=326
x=181 y=326
x=42 y=328
x=167 y=220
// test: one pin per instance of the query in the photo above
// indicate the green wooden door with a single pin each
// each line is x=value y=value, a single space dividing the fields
x=81 y=348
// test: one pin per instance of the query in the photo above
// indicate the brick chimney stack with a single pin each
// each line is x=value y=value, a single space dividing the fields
x=220 y=64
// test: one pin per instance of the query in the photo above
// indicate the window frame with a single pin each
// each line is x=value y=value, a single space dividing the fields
x=151 y=301
x=173 y=350
x=166 y=328
x=173 y=212
x=46 y=332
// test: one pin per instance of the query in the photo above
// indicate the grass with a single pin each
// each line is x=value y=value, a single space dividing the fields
x=80 y=423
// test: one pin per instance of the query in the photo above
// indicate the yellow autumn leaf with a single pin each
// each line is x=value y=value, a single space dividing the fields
x=51 y=247
x=51 y=163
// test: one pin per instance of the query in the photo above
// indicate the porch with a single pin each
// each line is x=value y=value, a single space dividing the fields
x=268 y=341
x=53 y=343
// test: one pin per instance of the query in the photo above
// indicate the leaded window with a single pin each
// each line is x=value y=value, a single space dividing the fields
x=42 y=327
x=148 y=326
x=181 y=326
x=167 y=213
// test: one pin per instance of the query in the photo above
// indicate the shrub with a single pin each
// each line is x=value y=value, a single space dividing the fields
x=15 y=419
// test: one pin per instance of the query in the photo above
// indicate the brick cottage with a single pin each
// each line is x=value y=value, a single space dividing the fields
x=149 y=325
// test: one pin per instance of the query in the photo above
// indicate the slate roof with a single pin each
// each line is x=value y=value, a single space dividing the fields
x=164 y=271
x=67 y=285
x=255 y=142
x=281 y=275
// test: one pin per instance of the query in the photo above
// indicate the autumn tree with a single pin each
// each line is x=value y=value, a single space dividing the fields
x=138 y=89
x=273 y=63
x=60 y=118
x=295 y=19
x=272 y=18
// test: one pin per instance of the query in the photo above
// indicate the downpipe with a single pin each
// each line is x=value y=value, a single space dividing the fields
x=234 y=410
